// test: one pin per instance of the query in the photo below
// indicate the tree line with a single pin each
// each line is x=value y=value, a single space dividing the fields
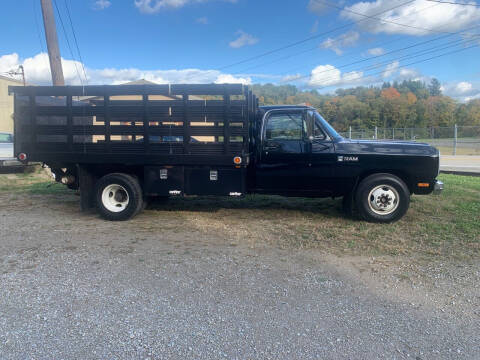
x=399 y=104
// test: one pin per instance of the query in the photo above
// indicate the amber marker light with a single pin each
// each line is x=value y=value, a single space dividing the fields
x=237 y=160
x=423 y=185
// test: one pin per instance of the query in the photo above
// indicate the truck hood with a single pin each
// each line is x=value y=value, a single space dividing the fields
x=348 y=146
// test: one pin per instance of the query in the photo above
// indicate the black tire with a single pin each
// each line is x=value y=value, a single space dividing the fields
x=132 y=205
x=370 y=207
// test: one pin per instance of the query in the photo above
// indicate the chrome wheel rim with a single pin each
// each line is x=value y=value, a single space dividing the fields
x=383 y=200
x=115 y=198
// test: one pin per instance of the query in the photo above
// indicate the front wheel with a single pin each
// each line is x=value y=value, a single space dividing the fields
x=119 y=197
x=382 y=198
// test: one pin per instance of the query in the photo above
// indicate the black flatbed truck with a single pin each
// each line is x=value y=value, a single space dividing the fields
x=122 y=144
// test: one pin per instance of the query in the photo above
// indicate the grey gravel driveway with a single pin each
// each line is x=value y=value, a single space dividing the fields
x=76 y=287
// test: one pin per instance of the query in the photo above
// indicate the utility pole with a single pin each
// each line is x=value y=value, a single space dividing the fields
x=52 y=43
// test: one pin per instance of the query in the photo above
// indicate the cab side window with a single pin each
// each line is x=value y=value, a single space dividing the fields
x=285 y=127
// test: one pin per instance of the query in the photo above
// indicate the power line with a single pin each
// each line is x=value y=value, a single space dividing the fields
x=454 y=3
x=42 y=49
x=35 y=14
x=388 y=21
x=76 y=42
x=417 y=62
x=68 y=42
x=366 y=18
x=316 y=47
x=391 y=61
x=305 y=40
x=374 y=17
x=401 y=49
x=406 y=57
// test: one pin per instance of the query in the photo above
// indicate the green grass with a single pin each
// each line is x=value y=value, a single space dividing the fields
x=441 y=226
x=36 y=182
x=435 y=226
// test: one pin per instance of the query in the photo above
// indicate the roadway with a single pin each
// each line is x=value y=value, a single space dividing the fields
x=460 y=164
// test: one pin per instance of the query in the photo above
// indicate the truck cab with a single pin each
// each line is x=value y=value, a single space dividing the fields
x=299 y=153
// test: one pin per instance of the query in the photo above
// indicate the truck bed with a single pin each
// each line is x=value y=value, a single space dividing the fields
x=134 y=124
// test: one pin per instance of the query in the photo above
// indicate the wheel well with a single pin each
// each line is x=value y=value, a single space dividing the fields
x=402 y=175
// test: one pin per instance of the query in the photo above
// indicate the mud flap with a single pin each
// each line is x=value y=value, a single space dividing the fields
x=87 y=188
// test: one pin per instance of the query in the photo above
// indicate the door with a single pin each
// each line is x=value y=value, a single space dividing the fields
x=322 y=157
x=284 y=159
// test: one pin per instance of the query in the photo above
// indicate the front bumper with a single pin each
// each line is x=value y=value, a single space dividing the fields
x=438 y=187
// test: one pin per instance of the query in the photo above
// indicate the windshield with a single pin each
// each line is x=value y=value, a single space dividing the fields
x=331 y=131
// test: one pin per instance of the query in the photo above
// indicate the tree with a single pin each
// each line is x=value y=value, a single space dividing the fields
x=390 y=93
x=406 y=104
x=435 y=88
x=411 y=98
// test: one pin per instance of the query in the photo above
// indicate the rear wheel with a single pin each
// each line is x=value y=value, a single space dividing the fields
x=119 y=197
x=382 y=198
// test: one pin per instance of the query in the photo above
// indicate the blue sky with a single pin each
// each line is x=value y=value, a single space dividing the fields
x=198 y=41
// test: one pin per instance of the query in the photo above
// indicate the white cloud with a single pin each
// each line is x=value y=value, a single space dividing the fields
x=463 y=91
x=345 y=40
x=352 y=77
x=409 y=74
x=230 y=79
x=376 y=51
x=289 y=78
x=464 y=87
x=325 y=75
x=391 y=69
x=37 y=71
x=154 y=6
x=314 y=28
x=101 y=4
x=329 y=75
x=471 y=37
x=316 y=7
x=468 y=98
x=202 y=20
x=243 y=39
x=9 y=62
x=442 y=17
x=180 y=76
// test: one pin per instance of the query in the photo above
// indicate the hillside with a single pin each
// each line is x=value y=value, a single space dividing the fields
x=407 y=104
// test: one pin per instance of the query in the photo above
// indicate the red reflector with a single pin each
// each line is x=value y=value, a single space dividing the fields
x=22 y=157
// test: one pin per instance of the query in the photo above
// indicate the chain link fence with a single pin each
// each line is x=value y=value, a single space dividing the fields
x=455 y=140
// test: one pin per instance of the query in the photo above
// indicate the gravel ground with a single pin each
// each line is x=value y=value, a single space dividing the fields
x=76 y=287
